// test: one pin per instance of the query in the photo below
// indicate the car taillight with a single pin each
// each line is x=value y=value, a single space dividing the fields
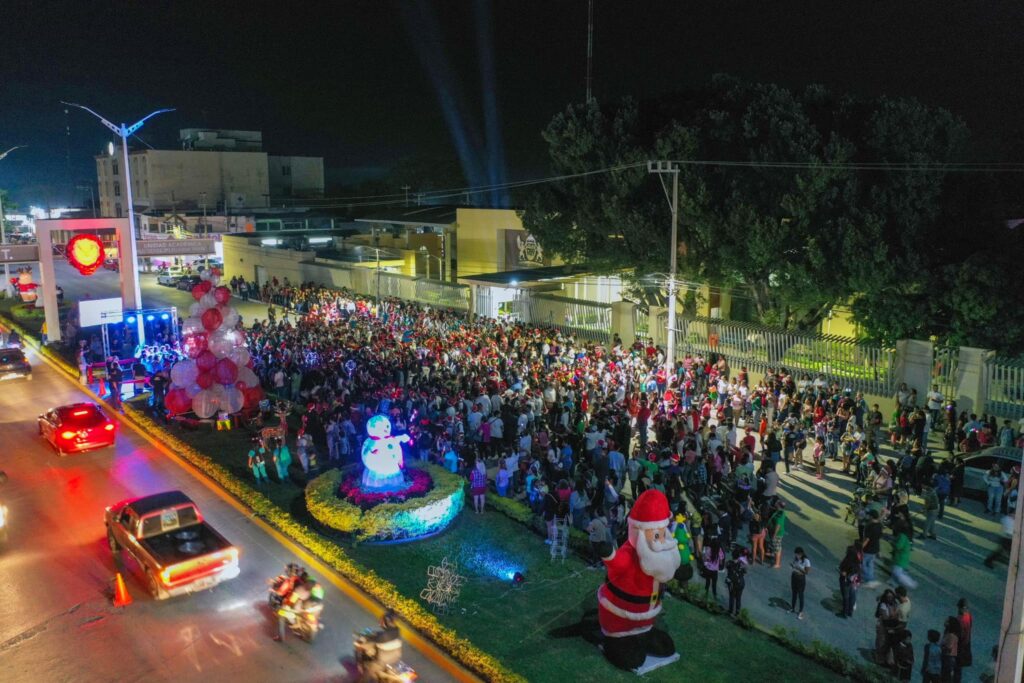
x=109 y=426
x=67 y=435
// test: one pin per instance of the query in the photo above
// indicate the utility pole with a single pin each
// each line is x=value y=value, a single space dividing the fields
x=663 y=168
x=406 y=188
x=3 y=226
x=590 y=48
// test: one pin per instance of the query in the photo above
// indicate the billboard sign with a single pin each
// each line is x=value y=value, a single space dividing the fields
x=92 y=312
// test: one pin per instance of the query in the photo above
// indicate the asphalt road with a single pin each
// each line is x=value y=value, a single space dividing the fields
x=56 y=618
x=106 y=283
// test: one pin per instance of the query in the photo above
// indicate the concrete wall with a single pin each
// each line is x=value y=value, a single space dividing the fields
x=480 y=246
x=241 y=258
x=161 y=178
x=304 y=176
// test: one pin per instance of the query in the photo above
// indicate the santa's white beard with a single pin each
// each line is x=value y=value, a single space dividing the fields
x=658 y=560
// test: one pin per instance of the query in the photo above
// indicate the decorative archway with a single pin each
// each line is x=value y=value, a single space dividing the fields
x=48 y=275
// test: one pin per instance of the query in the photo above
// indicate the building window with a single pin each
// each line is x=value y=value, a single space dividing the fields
x=117 y=189
x=286 y=170
x=117 y=210
x=113 y=165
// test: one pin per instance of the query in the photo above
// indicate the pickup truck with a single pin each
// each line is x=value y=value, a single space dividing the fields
x=176 y=550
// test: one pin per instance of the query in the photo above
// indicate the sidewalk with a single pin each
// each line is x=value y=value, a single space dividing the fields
x=947 y=569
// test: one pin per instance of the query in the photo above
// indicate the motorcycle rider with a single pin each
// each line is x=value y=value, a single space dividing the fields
x=282 y=586
x=378 y=650
x=306 y=597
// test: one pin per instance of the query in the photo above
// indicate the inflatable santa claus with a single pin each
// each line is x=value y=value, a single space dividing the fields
x=630 y=599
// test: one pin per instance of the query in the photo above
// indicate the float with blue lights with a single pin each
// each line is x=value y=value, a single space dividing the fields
x=390 y=500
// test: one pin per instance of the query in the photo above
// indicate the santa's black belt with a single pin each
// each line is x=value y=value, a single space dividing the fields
x=629 y=597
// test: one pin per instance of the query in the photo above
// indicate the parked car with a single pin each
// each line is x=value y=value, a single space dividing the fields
x=111 y=264
x=169 y=278
x=978 y=464
x=14 y=365
x=77 y=427
x=176 y=550
x=188 y=282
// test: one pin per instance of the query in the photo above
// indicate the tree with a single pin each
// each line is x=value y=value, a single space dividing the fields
x=798 y=201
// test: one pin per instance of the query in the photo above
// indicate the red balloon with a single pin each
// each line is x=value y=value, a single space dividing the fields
x=205 y=380
x=222 y=294
x=212 y=319
x=253 y=396
x=205 y=361
x=226 y=371
x=177 y=401
x=200 y=289
x=195 y=344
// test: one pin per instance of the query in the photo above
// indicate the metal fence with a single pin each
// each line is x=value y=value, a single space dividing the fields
x=641 y=323
x=859 y=366
x=1005 y=384
x=588 y=320
x=946 y=369
x=443 y=294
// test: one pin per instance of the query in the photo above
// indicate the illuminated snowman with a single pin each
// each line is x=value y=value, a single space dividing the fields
x=382 y=456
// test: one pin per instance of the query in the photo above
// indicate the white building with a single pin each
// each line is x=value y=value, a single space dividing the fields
x=217 y=170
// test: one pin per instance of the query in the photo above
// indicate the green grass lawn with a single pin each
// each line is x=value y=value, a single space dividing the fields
x=516 y=624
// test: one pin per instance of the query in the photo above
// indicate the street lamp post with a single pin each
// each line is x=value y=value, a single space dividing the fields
x=662 y=168
x=426 y=253
x=3 y=227
x=124 y=132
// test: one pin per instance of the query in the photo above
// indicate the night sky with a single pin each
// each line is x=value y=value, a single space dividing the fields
x=362 y=83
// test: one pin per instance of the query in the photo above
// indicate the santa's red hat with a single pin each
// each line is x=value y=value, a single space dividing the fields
x=651 y=511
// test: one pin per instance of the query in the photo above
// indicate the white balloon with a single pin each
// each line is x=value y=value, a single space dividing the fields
x=192 y=389
x=184 y=372
x=195 y=310
x=230 y=317
x=204 y=404
x=247 y=377
x=240 y=356
x=205 y=275
x=221 y=343
x=208 y=300
x=235 y=400
x=192 y=325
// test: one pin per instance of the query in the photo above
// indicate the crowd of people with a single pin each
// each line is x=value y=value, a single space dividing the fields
x=577 y=430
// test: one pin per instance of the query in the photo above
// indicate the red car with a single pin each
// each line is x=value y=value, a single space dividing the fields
x=78 y=427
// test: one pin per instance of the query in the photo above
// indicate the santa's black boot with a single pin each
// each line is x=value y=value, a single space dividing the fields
x=659 y=644
x=627 y=652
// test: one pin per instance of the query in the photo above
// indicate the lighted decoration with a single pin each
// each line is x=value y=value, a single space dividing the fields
x=382 y=456
x=337 y=501
x=25 y=286
x=213 y=375
x=85 y=253
x=444 y=585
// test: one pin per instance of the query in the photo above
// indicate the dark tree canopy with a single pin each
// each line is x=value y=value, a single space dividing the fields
x=822 y=208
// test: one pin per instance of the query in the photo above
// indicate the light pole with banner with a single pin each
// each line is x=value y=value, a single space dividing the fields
x=124 y=132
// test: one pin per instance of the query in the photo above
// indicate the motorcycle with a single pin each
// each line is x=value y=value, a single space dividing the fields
x=304 y=622
x=380 y=662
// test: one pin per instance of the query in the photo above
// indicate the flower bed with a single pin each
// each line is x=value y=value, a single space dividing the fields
x=351 y=490
x=427 y=514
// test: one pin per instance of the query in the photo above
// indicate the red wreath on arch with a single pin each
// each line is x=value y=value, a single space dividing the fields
x=85 y=252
